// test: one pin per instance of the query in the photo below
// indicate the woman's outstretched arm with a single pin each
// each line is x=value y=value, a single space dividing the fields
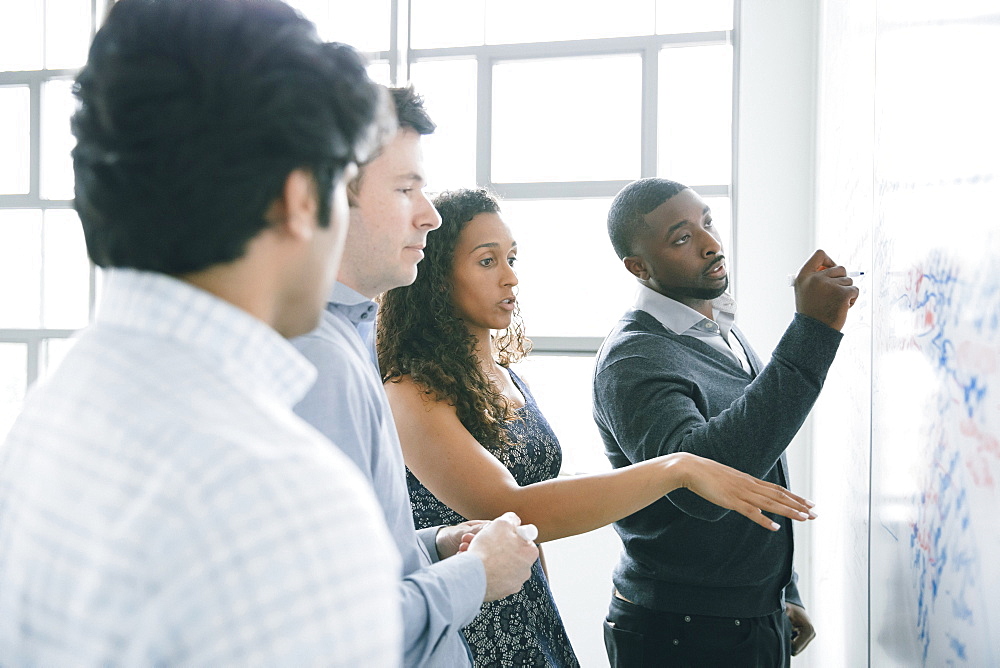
x=446 y=458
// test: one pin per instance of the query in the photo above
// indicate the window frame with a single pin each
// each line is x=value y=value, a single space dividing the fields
x=400 y=57
x=35 y=338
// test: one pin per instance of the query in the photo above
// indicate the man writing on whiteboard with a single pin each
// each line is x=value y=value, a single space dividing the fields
x=694 y=586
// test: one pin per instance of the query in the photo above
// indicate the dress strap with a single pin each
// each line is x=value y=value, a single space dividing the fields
x=529 y=400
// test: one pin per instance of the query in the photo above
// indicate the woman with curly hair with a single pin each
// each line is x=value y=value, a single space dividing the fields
x=475 y=443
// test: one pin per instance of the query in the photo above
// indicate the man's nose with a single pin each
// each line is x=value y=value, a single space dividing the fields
x=426 y=216
x=710 y=245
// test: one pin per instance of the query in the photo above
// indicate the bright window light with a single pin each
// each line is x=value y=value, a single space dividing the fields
x=15 y=137
x=571 y=283
x=67 y=33
x=675 y=16
x=21 y=34
x=562 y=388
x=436 y=24
x=695 y=114
x=365 y=26
x=567 y=119
x=449 y=91
x=65 y=271
x=20 y=267
x=57 y=140
x=514 y=21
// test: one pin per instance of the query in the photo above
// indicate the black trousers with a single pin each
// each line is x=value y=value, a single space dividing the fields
x=638 y=637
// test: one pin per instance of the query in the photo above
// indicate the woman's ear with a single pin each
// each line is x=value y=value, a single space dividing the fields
x=636 y=267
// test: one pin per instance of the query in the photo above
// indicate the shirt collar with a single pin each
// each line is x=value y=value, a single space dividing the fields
x=352 y=304
x=679 y=318
x=240 y=344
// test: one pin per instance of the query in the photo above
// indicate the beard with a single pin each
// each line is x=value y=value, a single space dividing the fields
x=702 y=294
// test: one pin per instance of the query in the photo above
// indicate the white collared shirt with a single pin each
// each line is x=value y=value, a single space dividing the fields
x=682 y=319
x=160 y=504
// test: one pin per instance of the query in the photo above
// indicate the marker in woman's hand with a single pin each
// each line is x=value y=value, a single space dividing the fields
x=850 y=274
x=528 y=532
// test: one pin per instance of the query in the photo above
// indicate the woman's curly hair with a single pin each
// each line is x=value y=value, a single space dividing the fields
x=421 y=335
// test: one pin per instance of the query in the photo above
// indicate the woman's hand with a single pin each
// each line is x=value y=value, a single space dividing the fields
x=449 y=539
x=729 y=488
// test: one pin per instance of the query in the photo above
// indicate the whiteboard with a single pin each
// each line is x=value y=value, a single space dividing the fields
x=908 y=187
x=838 y=569
x=935 y=527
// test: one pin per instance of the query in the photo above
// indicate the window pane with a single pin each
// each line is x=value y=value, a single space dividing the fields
x=695 y=114
x=67 y=33
x=562 y=388
x=567 y=119
x=553 y=20
x=379 y=73
x=21 y=35
x=722 y=219
x=15 y=135
x=13 y=382
x=20 y=268
x=365 y=26
x=441 y=23
x=66 y=271
x=58 y=106
x=53 y=353
x=449 y=90
x=571 y=283
x=673 y=16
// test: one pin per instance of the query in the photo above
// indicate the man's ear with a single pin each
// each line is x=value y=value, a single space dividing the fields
x=354 y=188
x=636 y=267
x=295 y=211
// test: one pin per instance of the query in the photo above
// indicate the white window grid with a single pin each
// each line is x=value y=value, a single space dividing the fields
x=35 y=339
x=399 y=59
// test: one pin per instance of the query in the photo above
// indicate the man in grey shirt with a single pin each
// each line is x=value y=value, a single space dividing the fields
x=696 y=585
x=390 y=219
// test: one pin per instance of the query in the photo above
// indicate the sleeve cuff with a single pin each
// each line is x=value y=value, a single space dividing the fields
x=428 y=538
x=792 y=591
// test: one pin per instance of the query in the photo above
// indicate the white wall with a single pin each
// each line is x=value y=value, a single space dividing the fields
x=580 y=576
x=775 y=174
x=774 y=203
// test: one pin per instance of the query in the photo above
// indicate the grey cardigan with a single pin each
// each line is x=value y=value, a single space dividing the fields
x=657 y=392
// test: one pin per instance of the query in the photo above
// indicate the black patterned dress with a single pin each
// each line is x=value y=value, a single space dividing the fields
x=523 y=629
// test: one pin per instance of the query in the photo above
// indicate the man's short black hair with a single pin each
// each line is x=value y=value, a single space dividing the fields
x=627 y=214
x=192 y=115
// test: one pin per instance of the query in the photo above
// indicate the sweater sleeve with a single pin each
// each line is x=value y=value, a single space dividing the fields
x=792 y=591
x=650 y=406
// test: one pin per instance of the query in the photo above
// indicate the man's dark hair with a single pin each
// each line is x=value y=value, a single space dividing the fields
x=410 y=112
x=631 y=204
x=192 y=115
